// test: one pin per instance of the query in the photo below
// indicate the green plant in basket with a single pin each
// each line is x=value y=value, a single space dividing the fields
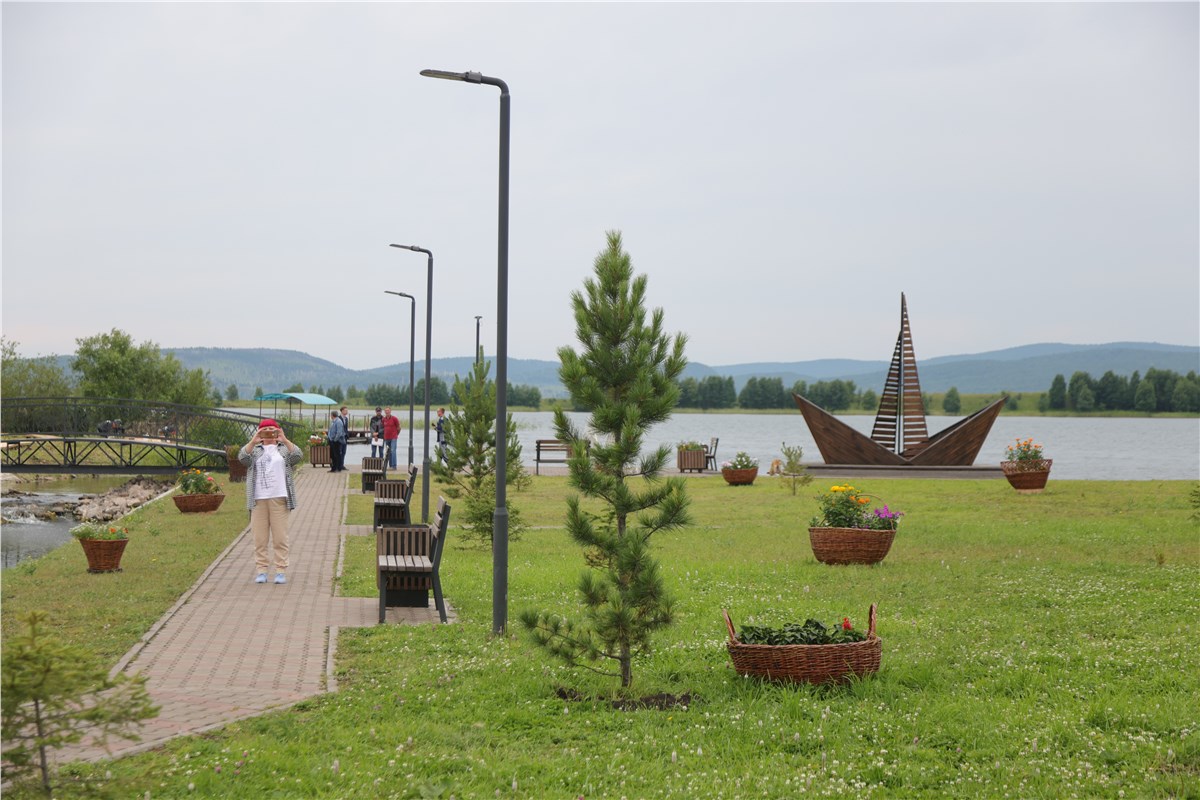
x=811 y=632
x=740 y=461
x=1024 y=450
x=847 y=507
x=193 y=481
x=98 y=531
x=689 y=446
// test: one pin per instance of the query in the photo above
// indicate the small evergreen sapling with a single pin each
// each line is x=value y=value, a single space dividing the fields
x=470 y=467
x=793 y=475
x=627 y=375
x=52 y=695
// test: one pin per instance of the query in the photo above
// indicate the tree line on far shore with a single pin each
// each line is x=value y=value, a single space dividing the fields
x=1159 y=390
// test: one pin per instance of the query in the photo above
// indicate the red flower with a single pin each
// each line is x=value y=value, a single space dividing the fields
x=846 y=623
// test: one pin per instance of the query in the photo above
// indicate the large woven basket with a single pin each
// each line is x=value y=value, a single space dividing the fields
x=806 y=663
x=850 y=545
x=192 y=503
x=103 y=555
x=1027 y=477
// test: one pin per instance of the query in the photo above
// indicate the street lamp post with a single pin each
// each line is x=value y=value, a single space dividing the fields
x=478 y=356
x=412 y=345
x=500 y=518
x=428 y=341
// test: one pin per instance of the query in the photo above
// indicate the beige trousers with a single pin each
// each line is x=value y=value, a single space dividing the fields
x=269 y=521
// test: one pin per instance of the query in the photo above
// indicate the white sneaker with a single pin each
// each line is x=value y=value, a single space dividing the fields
x=260 y=577
x=279 y=577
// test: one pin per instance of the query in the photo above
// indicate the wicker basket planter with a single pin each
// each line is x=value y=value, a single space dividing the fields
x=690 y=460
x=806 y=663
x=194 y=503
x=1027 y=477
x=739 y=477
x=237 y=470
x=103 y=555
x=850 y=545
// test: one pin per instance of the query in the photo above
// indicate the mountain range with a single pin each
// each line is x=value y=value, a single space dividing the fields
x=1028 y=368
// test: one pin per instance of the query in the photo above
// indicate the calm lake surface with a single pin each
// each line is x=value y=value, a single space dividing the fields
x=1082 y=449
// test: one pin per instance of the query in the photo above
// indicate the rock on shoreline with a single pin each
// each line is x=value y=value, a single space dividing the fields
x=120 y=501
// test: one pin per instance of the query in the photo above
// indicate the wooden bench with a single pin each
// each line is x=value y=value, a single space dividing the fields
x=391 y=503
x=407 y=561
x=373 y=469
x=552 y=446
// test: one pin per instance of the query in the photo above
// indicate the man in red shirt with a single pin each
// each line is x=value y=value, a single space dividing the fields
x=391 y=432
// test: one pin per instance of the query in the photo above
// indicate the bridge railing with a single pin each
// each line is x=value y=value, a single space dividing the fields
x=119 y=417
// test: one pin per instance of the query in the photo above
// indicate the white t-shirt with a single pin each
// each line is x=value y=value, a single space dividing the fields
x=270 y=479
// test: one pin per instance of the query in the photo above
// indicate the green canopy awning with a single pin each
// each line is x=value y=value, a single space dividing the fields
x=307 y=398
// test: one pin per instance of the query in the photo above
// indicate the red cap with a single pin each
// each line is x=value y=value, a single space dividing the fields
x=268 y=423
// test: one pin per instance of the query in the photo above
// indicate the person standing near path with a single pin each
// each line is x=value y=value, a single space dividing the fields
x=337 y=442
x=270 y=495
x=377 y=434
x=441 y=434
x=391 y=432
x=346 y=443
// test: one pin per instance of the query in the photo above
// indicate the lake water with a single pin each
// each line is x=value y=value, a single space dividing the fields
x=1082 y=449
x=24 y=536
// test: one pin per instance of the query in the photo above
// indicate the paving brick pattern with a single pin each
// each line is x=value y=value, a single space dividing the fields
x=231 y=648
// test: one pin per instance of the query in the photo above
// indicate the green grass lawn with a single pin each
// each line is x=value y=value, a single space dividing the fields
x=1033 y=646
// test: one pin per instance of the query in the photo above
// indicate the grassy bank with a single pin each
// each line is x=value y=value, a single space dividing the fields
x=1034 y=646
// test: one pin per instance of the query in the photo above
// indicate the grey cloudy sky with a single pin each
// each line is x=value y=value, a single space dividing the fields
x=231 y=175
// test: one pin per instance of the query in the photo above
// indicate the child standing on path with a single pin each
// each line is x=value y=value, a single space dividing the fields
x=270 y=495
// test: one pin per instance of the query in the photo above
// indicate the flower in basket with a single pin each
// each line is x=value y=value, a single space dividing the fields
x=99 y=531
x=1024 y=450
x=691 y=445
x=193 y=481
x=847 y=507
x=811 y=632
x=740 y=461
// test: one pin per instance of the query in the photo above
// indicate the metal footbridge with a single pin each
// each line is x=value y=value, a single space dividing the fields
x=118 y=436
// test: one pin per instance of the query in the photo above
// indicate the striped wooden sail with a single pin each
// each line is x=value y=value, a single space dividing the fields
x=900 y=422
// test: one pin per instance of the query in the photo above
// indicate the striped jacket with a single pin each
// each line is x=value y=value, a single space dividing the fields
x=290 y=459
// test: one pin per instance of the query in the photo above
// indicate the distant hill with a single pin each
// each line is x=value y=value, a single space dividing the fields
x=1028 y=368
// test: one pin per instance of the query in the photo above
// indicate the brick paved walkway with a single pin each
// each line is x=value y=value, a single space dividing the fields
x=231 y=648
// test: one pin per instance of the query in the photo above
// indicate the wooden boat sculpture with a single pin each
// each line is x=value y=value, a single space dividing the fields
x=900 y=437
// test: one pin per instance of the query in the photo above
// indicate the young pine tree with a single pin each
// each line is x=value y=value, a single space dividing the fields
x=470 y=466
x=627 y=375
x=52 y=694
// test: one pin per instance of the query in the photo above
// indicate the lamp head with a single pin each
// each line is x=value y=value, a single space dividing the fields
x=469 y=77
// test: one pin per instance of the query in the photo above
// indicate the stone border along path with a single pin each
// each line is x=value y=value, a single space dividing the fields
x=230 y=648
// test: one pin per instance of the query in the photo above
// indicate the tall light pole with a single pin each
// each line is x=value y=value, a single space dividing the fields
x=478 y=357
x=428 y=341
x=412 y=352
x=500 y=518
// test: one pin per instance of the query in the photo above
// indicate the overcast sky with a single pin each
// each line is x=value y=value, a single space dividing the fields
x=231 y=174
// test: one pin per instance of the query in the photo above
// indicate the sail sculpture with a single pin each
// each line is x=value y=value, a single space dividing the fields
x=900 y=436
